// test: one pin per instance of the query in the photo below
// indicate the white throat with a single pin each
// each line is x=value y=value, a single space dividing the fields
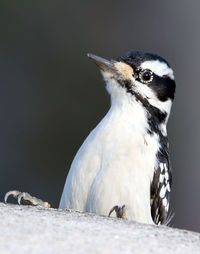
x=131 y=110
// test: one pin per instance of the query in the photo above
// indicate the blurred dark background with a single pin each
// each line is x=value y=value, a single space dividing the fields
x=52 y=96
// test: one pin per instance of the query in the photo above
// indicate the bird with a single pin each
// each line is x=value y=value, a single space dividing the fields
x=124 y=163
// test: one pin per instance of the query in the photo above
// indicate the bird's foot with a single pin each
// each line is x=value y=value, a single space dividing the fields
x=26 y=197
x=119 y=210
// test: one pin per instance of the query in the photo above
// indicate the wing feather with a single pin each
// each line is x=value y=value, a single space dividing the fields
x=160 y=187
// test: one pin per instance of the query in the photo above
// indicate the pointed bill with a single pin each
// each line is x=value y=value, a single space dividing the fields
x=103 y=64
x=117 y=69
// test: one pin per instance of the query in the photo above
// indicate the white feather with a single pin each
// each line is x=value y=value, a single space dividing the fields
x=164 y=201
x=114 y=166
x=162 y=191
x=161 y=178
x=159 y=68
x=161 y=167
x=166 y=176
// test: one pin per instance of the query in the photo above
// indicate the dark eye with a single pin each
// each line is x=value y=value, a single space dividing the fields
x=146 y=76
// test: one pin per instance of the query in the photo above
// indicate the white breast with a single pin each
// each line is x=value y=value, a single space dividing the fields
x=114 y=166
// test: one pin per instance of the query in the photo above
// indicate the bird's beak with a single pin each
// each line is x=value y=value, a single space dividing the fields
x=103 y=64
x=110 y=69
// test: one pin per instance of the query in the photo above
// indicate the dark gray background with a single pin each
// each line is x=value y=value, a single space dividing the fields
x=52 y=96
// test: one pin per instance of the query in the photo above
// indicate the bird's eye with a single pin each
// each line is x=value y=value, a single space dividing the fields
x=146 y=76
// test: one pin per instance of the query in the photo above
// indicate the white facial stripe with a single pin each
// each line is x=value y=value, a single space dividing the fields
x=147 y=92
x=159 y=68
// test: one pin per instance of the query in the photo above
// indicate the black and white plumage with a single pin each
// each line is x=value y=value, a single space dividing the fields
x=125 y=159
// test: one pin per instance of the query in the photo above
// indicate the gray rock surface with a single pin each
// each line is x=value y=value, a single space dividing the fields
x=27 y=229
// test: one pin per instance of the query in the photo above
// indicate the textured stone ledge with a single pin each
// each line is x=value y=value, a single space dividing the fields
x=27 y=229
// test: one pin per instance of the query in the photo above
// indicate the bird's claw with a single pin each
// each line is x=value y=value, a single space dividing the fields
x=119 y=210
x=26 y=197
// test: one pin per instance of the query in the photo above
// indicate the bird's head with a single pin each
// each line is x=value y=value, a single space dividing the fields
x=138 y=76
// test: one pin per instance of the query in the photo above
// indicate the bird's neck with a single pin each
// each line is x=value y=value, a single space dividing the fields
x=138 y=109
x=129 y=114
x=140 y=114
